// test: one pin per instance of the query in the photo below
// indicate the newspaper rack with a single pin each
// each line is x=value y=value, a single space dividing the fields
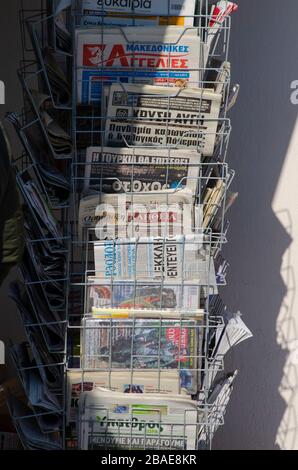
x=56 y=414
x=50 y=53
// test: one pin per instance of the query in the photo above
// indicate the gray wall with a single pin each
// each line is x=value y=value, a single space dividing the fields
x=264 y=56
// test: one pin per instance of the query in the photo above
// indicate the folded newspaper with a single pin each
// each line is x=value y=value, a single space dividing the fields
x=125 y=170
x=177 y=258
x=36 y=389
x=33 y=310
x=144 y=344
x=45 y=222
x=221 y=340
x=217 y=407
x=162 y=116
x=28 y=428
x=218 y=15
x=212 y=202
x=61 y=37
x=133 y=421
x=163 y=55
x=232 y=333
x=56 y=185
x=157 y=213
x=52 y=375
x=57 y=78
x=58 y=138
x=145 y=13
x=51 y=290
x=157 y=295
x=137 y=12
x=166 y=382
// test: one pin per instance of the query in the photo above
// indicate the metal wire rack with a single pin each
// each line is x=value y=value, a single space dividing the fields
x=81 y=289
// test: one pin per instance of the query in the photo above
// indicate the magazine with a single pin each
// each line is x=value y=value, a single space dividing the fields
x=145 y=421
x=176 y=258
x=138 y=13
x=163 y=116
x=163 y=55
x=138 y=294
x=158 y=213
x=125 y=170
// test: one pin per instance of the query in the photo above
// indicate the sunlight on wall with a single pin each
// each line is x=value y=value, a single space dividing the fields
x=285 y=206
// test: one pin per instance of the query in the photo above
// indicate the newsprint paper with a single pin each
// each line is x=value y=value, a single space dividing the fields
x=125 y=170
x=160 y=55
x=136 y=421
x=157 y=213
x=168 y=295
x=137 y=12
x=152 y=381
x=145 y=115
x=150 y=345
x=177 y=258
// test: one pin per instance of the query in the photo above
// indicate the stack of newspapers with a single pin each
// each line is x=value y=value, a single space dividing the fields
x=151 y=192
x=126 y=191
x=36 y=401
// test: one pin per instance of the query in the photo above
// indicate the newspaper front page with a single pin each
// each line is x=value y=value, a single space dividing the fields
x=157 y=213
x=161 y=55
x=177 y=258
x=156 y=295
x=132 y=421
x=143 y=344
x=152 y=381
x=163 y=116
x=137 y=12
x=125 y=170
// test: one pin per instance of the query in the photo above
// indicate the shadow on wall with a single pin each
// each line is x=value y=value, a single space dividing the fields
x=261 y=281
x=287 y=321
